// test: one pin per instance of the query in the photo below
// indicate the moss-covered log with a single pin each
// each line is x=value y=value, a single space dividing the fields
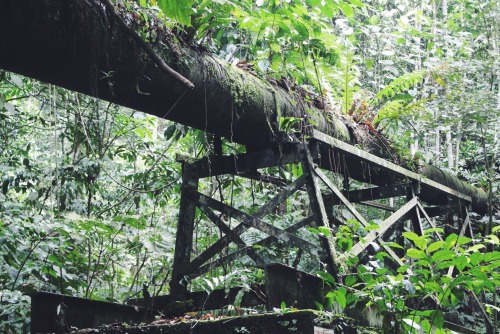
x=78 y=45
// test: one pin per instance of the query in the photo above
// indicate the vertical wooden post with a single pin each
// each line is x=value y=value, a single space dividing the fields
x=184 y=235
x=414 y=216
x=318 y=210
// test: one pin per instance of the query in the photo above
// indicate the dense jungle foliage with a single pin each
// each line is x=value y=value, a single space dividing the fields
x=90 y=191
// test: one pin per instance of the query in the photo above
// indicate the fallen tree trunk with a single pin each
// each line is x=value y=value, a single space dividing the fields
x=78 y=45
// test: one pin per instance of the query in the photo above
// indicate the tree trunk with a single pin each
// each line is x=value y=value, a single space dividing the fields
x=78 y=45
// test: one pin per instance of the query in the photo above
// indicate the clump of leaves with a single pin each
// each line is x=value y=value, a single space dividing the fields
x=437 y=276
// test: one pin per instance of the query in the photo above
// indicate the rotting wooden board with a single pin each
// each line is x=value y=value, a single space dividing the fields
x=291 y=322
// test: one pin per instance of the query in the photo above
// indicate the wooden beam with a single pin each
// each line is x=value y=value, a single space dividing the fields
x=243 y=251
x=264 y=210
x=259 y=224
x=462 y=232
x=201 y=300
x=233 y=164
x=318 y=209
x=340 y=196
x=382 y=228
x=370 y=194
x=353 y=210
x=184 y=234
x=229 y=232
x=385 y=165
x=429 y=220
x=255 y=175
x=379 y=206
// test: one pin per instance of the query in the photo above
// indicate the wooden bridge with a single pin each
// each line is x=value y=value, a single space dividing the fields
x=46 y=40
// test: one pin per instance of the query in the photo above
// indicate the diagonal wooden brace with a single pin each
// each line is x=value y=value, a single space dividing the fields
x=227 y=231
x=264 y=210
x=259 y=224
x=243 y=251
x=353 y=210
x=382 y=228
x=318 y=209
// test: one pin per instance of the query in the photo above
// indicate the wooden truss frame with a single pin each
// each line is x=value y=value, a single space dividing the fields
x=313 y=180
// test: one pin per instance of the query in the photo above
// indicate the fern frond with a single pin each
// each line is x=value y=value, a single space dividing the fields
x=390 y=110
x=395 y=109
x=401 y=84
x=349 y=83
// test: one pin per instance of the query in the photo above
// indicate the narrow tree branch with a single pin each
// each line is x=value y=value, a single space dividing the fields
x=157 y=59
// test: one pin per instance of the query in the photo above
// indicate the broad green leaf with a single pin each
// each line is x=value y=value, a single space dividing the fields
x=178 y=10
x=53 y=258
x=416 y=253
x=450 y=241
x=490 y=256
x=350 y=280
x=411 y=236
x=403 y=268
x=326 y=277
x=493 y=239
x=301 y=29
x=371 y=227
x=393 y=245
x=476 y=258
x=324 y=230
x=275 y=47
x=463 y=240
x=434 y=230
x=340 y=297
x=460 y=262
x=431 y=287
x=346 y=9
x=426 y=326
x=475 y=248
x=444 y=265
x=443 y=255
x=437 y=318
x=435 y=246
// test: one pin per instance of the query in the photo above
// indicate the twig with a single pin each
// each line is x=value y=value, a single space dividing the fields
x=157 y=59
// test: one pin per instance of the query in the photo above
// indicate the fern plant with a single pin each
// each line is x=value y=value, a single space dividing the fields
x=348 y=81
x=400 y=85
x=393 y=100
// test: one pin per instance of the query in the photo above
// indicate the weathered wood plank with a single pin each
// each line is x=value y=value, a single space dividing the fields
x=462 y=232
x=340 y=196
x=429 y=220
x=255 y=175
x=370 y=194
x=247 y=162
x=379 y=206
x=259 y=224
x=352 y=209
x=185 y=227
x=201 y=300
